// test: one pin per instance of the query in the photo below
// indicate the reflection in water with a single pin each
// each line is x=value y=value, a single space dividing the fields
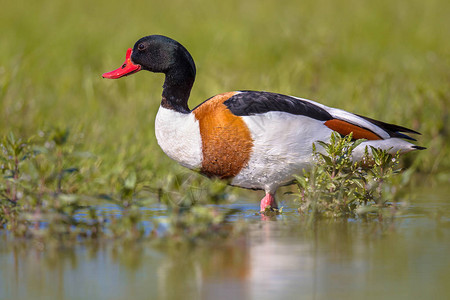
x=279 y=259
x=204 y=272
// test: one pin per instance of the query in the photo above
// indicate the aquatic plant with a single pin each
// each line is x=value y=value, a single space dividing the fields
x=52 y=190
x=40 y=184
x=339 y=187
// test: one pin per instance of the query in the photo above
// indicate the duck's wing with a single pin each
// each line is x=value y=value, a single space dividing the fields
x=247 y=103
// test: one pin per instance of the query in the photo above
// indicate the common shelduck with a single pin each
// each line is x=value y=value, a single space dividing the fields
x=255 y=140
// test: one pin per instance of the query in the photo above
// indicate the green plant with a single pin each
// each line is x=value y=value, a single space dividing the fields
x=40 y=185
x=14 y=153
x=338 y=187
x=52 y=190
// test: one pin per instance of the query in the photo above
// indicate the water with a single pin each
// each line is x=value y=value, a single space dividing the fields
x=279 y=259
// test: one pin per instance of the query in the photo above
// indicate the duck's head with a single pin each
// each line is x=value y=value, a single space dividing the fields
x=156 y=53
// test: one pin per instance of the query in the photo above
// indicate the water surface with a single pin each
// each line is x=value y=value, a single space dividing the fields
x=278 y=259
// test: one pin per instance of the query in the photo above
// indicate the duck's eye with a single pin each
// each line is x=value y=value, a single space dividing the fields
x=141 y=47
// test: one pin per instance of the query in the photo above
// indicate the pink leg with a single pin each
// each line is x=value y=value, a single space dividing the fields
x=268 y=200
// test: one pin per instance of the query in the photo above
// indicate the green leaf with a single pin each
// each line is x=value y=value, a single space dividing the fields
x=130 y=181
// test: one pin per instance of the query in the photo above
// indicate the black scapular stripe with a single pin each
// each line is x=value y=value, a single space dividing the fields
x=249 y=103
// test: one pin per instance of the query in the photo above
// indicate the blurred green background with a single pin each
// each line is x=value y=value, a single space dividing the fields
x=388 y=60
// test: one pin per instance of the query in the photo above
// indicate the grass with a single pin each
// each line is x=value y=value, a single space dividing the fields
x=386 y=60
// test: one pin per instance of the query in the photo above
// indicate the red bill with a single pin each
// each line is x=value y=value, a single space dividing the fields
x=127 y=68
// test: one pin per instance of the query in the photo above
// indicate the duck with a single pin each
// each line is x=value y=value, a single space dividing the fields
x=252 y=139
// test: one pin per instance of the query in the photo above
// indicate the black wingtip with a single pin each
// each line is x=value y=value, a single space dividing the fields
x=419 y=147
x=403 y=136
x=392 y=128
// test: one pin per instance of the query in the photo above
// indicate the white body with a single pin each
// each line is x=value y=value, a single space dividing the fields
x=282 y=143
x=282 y=147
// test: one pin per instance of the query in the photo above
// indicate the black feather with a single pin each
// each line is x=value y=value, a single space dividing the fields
x=252 y=102
x=392 y=129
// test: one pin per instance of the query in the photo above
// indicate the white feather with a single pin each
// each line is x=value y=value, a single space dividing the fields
x=282 y=146
x=391 y=145
x=179 y=137
x=349 y=117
